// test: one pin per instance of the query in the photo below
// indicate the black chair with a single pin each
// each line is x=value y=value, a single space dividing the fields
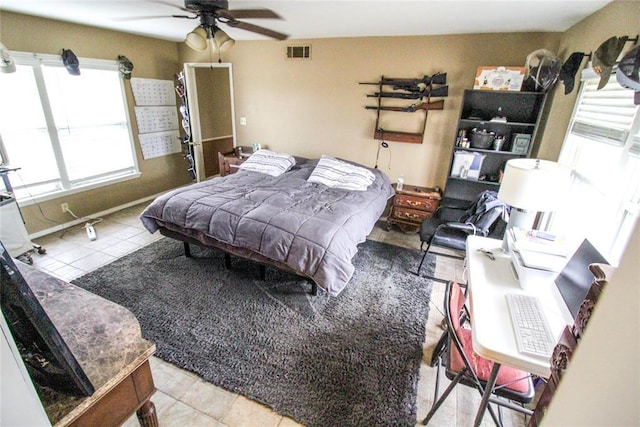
x=463 y=366
x=452 y=223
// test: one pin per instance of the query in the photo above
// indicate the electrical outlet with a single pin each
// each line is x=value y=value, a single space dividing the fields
x=65 y=207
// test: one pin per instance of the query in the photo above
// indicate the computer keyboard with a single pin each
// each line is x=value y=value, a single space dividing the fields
x=530 y=325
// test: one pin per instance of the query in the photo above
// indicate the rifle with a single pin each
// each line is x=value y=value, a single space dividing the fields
x=438 y=78
x=441 y=91
x=437 y=105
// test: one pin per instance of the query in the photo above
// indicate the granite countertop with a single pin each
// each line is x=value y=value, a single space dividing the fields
x=104 y=337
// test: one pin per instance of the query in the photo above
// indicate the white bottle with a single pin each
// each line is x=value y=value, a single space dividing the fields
x=400 y=183
x=464 y=171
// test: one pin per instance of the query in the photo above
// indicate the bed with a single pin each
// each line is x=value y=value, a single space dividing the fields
x=306 y=217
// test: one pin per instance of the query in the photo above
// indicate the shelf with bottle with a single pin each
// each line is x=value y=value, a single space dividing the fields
x=491 y=141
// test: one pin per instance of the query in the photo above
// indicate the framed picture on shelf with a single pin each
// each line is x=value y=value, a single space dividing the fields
x=520 y=143
x=499 y=78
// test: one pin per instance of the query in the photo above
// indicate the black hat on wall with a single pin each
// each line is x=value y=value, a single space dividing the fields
x=70 y=61
x=569 y=70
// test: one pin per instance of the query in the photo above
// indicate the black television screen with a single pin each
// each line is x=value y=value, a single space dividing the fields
x=575 y=279
x=46 y=356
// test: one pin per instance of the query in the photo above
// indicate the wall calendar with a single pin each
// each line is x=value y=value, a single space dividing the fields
x=160 y=144
x=157 y=117
x=153 y=92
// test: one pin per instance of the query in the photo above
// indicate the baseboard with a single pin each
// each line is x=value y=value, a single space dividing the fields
x=75 y=222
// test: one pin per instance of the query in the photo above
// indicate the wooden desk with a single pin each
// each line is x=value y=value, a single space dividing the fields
x=492 y=333
x=105 y=339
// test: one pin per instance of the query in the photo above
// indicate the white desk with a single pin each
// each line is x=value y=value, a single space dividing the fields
x=492 y=331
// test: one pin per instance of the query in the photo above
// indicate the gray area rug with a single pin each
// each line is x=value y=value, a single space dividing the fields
x=351 y=360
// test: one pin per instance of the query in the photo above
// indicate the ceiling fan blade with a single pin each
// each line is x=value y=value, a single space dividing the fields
x=184 y=16
x=257 y=29
x=248 y=14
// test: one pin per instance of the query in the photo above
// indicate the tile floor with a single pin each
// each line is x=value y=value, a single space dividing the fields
x=182 y=398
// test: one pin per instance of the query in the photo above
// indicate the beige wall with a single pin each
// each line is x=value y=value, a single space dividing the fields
x=316 y=106
x=152 y=58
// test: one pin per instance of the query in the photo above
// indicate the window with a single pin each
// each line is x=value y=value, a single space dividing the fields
x=66 y=133
x=602 y=148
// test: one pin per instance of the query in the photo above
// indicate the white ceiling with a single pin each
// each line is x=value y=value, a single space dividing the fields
x=319 y=19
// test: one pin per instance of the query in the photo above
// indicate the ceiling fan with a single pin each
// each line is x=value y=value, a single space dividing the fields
x=214 y=12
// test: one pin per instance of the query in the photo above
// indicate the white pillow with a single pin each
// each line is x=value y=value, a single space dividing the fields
x=268 y=162
x=336 y=173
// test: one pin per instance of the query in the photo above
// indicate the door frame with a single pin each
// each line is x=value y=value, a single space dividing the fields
x=194 y=111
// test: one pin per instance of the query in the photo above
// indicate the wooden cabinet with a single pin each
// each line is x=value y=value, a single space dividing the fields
x=515 y=116
x=229 y=162
x=411 y=206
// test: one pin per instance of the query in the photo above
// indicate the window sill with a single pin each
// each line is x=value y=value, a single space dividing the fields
x=28 y=201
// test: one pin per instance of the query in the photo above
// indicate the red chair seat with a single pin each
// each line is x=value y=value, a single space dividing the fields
x=513 y=379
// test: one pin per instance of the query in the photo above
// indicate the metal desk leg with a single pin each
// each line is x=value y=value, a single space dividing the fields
x=491 y=382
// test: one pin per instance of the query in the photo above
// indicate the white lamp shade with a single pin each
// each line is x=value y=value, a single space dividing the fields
x=197 y=39
x=533 y=184
x=222 y=39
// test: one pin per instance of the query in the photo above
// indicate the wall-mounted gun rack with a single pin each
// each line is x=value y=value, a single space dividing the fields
x=420 y=90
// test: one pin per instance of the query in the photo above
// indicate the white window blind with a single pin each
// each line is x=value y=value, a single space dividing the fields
x=602 y=148
x=635 y=146
x=605 y=115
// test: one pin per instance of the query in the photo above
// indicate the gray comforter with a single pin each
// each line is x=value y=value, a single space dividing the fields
x=312 y=229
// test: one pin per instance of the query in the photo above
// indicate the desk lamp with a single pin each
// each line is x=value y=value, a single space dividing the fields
x=530 y=186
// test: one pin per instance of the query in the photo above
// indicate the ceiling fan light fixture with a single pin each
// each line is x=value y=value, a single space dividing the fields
x=197 y=39
x=222 y=40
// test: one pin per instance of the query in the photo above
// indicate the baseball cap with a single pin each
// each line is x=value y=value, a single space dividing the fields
x=125 y=66
x=628 y=72
x=70 y=61
x=569 y=70
x=7 y=64
x=604 y=58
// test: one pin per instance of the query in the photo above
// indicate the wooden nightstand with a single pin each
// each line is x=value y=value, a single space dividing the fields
x=411 y=206
x=230 y=161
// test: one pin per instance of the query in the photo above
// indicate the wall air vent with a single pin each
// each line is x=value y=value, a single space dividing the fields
x=299 y=52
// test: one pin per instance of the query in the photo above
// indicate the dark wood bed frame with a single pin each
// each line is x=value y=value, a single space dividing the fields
x=189 y=237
